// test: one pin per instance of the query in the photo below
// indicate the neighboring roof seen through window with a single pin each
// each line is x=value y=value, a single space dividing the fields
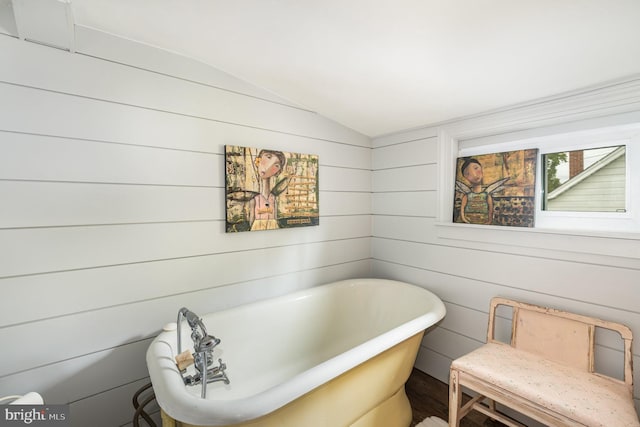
x=590 y=180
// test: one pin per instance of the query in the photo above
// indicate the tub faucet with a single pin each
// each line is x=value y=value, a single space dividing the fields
x=203 y=345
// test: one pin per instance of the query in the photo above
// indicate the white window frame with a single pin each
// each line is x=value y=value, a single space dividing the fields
x=628 y=135
x=616 y=103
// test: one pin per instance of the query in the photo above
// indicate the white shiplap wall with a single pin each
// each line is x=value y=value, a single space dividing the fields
x=112 y=189
x=466 y=266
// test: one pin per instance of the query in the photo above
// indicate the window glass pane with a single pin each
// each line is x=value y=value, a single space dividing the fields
x=590 y=180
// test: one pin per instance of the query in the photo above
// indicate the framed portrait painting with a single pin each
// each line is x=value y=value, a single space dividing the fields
x=270 y=189
x=496 y=189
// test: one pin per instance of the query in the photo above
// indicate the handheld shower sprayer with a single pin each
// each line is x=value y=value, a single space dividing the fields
x=195 y=322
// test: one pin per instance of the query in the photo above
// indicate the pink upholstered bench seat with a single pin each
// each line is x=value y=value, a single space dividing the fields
x=587 y=398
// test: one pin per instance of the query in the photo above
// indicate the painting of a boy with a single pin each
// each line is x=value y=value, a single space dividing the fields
x=496 y=189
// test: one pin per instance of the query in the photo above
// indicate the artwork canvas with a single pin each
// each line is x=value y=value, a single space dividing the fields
x=496 y=189
x=270 y=189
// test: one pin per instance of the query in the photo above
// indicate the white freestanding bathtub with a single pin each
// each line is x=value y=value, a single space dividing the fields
x=330 y=356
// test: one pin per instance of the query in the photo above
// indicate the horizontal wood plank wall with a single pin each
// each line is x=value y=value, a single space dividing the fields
x=112 y=182
x=408 y=244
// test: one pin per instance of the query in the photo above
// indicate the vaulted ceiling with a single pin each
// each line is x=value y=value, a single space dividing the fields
x=380 y=66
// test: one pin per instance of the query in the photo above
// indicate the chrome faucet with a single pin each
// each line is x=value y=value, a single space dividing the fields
x=203 y=345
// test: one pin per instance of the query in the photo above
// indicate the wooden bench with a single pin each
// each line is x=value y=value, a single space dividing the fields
x=546 y=372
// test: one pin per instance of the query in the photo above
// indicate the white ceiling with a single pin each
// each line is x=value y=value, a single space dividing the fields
x=380 y=66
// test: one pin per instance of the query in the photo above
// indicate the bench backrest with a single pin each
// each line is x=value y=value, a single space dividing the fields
x=561 y=336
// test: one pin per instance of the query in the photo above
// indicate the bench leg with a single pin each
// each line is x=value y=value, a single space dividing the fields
x=455 y=399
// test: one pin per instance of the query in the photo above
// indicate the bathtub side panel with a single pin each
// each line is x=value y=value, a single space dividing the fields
x=369 y=395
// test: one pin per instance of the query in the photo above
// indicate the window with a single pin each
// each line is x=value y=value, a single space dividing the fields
x=586 y=180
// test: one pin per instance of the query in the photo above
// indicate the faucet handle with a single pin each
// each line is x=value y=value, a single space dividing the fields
x=218 y=373
x=223 y=377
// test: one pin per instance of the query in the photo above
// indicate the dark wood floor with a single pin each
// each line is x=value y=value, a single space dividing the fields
x=430 y=397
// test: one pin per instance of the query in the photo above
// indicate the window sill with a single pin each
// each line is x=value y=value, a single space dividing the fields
x=621 y=249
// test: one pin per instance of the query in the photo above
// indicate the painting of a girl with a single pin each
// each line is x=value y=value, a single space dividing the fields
x=263 y=207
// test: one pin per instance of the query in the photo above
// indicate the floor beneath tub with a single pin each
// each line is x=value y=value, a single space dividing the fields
x=430 y=397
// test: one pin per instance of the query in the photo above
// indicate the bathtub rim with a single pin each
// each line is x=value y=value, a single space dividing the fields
x=186 y=407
